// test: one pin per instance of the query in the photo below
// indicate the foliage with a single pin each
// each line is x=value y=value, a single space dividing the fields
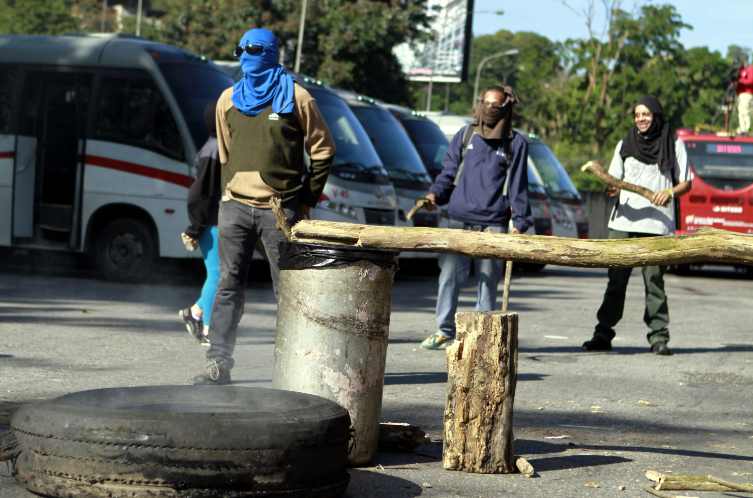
x=576 y=95
x=36 y=17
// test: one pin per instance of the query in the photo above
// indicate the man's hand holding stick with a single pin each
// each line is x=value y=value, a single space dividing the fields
x=660 y=198
x=427 y=203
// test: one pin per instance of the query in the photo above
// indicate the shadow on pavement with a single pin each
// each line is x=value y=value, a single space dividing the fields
x=575 y=351
x=171 y=271
x=532 y=447
x=376 y=484
x=391 y=379
x=574 y=462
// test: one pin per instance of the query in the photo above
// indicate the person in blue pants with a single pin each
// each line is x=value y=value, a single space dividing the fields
x=203 y=207
x=483 y=195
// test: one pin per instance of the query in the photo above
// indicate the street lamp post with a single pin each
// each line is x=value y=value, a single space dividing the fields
x=481 y=64
x=508 y=74
x=298 y=49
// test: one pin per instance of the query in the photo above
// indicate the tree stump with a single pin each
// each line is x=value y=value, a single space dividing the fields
x=482 y=371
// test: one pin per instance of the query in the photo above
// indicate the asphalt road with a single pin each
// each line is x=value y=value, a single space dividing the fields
x=612 y=415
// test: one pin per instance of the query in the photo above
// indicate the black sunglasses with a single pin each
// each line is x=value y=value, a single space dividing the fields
x=249 y=49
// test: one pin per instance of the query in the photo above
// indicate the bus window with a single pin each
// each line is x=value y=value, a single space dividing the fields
x=7 y=85
x=723 y=165
x=430 y=143
x=395 y=149
x=134 y=112
x=193 y=88
x=556 y=180
x=355 y=158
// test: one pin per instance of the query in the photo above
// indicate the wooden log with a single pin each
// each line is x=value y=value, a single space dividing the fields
x=708 y=245
x=696 y=483
x=482 y=368
x=693 y=483
x=524 y=467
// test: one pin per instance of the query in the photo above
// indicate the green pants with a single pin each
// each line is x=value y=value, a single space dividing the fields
x=656 y=315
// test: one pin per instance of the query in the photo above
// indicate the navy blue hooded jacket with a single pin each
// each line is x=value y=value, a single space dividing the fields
x=478 y=199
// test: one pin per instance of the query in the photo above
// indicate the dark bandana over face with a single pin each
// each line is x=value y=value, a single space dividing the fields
x=654 y=146
x=495 y=122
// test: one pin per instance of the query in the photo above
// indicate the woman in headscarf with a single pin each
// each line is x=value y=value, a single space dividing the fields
x=651 y=156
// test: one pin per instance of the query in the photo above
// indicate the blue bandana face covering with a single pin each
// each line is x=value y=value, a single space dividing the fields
x=264 y=81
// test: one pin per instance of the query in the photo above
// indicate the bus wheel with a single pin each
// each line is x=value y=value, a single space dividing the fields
x=125 y=250
x=682 y=269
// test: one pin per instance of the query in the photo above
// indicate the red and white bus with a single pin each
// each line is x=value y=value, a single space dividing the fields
x=98 y=135
x=97 y=140
x=722 y=193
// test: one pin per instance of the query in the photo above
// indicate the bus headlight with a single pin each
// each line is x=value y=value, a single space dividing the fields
x=342 y=209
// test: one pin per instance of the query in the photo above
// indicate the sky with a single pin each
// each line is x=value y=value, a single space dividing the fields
x=716 y=24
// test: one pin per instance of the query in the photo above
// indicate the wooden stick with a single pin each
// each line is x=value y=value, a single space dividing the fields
x=524 y=467
x=506 y=288
x=420 y=203
x=707 y=245
x=695 y=483
x=730 y=484
x=282 y=220
x=654 y=492
x=598 y=170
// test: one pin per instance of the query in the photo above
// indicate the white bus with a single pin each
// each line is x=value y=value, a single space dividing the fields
x=98 y=136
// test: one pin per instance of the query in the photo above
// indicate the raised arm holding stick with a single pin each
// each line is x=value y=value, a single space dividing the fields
x=614 y=185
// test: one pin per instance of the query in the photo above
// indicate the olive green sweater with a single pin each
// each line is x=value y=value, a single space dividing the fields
x=262 y=155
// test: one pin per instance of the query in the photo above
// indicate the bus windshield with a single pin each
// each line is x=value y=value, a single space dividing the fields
x=392 y=144
x=193 y=88
x=723 y=165
x=354 y=149
x=556 y=180
x=430 y=143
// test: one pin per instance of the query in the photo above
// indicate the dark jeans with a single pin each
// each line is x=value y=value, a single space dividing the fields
x=656 y=315
x=239 y=227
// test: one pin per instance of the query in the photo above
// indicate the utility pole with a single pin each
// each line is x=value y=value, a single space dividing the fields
x=298 y=49
x=138 y=18
x=104 y=14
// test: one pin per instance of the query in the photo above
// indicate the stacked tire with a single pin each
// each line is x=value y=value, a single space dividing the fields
x=183 y=441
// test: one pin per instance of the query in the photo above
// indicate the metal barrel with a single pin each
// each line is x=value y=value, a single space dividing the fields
x=332 y=328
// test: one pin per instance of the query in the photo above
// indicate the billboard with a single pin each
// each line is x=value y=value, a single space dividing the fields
x=444 y=58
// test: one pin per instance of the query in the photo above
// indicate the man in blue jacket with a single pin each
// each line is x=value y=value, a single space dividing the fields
x=492 y=181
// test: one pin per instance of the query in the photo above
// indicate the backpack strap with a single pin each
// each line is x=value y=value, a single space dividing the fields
x=467 y=136
x=507 y=146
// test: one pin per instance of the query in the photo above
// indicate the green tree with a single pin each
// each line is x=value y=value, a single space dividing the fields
x=211 y=27
x=36 y=17
x=737 y=52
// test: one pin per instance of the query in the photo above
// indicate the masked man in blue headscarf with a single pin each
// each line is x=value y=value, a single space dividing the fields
x=265 y=123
